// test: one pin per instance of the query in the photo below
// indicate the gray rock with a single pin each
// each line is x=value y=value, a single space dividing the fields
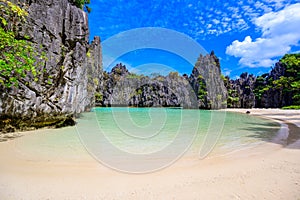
x=207 y=72
x=242 y=89
x=121 y=88
x=68 y=75
x=275 y=97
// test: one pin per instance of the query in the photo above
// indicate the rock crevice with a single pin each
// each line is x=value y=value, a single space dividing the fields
x=64 y=84
x=203 y=89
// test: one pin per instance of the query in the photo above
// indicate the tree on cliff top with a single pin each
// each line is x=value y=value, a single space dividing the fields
x=291 y=80
x=17 y=55
x=287 y=85
x=83 y=4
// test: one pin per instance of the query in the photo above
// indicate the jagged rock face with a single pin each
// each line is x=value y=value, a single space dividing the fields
x=271 y=99
x=203 y=89
x=241 y=90
x=274 y=98
x=169 y=91
x=122 y=88
x=94 y=73
x=207 y=72
x=67 y=75
x=244 y=87
x=108 y=83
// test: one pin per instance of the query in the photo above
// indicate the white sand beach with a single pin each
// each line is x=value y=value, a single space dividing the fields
x=268 y=171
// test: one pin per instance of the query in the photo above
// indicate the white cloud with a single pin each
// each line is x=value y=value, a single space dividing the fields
x=280 y=23
x=213 y=31
x=226 y=19
x=242 y=24
x=233 y=9
x=215 y=21
x=218 y=12
x=260 y=5
x=226 y=71
x=220 y=18
x=277 y=3
x=280 y=31
x=240 y=3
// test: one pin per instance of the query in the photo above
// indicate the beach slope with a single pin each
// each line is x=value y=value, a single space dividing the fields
x=267 y=171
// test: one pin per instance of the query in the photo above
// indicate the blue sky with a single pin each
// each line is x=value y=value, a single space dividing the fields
x=246 y=35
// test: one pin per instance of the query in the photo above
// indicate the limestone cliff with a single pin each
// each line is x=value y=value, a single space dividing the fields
x=274 y=97
x=69 y=73
x=203 y=89
x=207 y=83
x=122 y=88
x=241 y=91
x=270 y=90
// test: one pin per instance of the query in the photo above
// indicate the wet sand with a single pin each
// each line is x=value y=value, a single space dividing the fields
x=268 y=171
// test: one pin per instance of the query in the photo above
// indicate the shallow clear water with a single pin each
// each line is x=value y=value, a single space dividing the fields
x=158 y=132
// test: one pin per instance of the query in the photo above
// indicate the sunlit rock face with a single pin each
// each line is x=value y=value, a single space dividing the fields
x=122 y=88
x=244 y=88
x=275 y=97
x=207 y=83
x=204 y=88
x=68 y=72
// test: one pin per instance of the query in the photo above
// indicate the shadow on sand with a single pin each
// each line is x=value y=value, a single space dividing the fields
x=291 y=139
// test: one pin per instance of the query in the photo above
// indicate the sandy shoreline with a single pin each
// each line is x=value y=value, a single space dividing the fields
x=290 y=122
x=269 y=171
x=290 y=116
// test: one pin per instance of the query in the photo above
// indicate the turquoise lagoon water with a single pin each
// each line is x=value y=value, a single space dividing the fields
x=148 y=131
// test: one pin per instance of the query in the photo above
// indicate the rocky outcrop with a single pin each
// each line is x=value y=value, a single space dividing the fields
x=67 y=73
x=249 y=91
x=207 y=82
x=169 y=91
x=105 y=92
x=273 y=97
x=94 y=72
x=241 y=91
x=122 y=88
x=203 y=89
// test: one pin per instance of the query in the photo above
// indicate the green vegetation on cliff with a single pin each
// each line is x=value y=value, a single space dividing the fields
x=17 y=55
x=291 y=80
x=82 y=4
x=287 y=84
x=202 y=90
x=280 y=88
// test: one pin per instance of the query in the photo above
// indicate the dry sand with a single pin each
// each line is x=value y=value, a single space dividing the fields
x=268 y=171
